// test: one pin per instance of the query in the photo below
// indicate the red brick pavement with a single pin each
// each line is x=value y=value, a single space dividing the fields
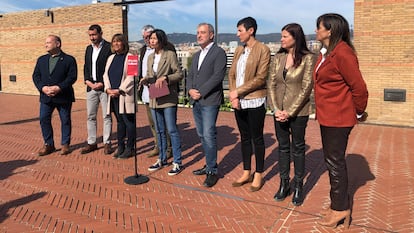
x=87 y=193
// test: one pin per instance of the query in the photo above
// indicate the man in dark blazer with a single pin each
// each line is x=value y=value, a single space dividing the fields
x=205 y=87
x=53 y=76
x=96 y=55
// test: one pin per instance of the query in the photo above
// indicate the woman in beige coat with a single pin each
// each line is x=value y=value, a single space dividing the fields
x=164 y=70
x=120 y=89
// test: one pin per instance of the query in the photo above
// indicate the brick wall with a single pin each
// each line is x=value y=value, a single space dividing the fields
x=384 y=39
x=23 y=34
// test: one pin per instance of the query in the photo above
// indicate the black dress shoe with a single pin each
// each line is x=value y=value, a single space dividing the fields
x=201 y=171
x=127 y=153
x=211 y=180
x=119 y=152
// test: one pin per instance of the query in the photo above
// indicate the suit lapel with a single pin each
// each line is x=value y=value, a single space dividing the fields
x=282 y=66
x=162 y=61
x=196 y=59
x=210 y=51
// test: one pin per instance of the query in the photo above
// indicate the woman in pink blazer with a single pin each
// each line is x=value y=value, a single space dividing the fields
x=341 y=96
x=120 y=89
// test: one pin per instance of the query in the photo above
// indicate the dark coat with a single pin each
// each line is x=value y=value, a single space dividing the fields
x=208 y=80
x=64 y=75
x=100 y=63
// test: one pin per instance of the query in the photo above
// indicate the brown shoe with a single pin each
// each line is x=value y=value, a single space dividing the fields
x=65 y=149
x=107 y=149
x=238 y=184
x=46 y=149
x=154 y=152
x=89 y=148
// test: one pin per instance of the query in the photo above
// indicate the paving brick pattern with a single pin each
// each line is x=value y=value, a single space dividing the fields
x=87 y=193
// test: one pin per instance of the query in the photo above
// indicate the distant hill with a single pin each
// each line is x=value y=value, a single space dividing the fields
x=180 y=38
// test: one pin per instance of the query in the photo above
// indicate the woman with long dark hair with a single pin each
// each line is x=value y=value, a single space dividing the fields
x=341 y=98
x=164 y=69
x=289 y=88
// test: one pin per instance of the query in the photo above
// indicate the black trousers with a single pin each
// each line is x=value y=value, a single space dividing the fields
x=294 y=128
x=125 y=126
x=250 y=123
x=334 y=142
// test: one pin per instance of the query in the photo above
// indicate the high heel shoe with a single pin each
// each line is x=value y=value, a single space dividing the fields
x=325 y=212
x=254 y=188
x=238 y=184
x=335 y=217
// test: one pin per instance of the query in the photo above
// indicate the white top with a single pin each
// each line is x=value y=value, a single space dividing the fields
x=323 y=52
x=156 y=62
x=145 y=92
x=241 y=67
x=203 y=54
x=95 y=54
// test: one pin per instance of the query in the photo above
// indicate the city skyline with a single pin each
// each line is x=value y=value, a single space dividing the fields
x=183 y=16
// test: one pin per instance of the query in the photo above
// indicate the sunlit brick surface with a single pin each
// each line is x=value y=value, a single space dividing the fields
x=87 y=193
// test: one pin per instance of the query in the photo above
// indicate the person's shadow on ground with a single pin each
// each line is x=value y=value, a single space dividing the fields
x=7 y=168
x=359 y=173
x=225 y=137
x=234 y=157
x=4 y=207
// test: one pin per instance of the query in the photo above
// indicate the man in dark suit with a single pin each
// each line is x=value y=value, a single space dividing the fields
x=96 y=55
x=53 y=76
x=205 y=87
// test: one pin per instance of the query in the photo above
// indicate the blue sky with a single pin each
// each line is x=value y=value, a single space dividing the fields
x=184 y=15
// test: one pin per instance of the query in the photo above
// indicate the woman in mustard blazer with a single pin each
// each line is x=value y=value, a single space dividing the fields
x=290 y=85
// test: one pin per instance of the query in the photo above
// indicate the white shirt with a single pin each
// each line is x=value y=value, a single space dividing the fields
x=323 y=52
x=95 y=54
x=241 y=67
x=203 y=54
x=145 y=92
x=157 y=59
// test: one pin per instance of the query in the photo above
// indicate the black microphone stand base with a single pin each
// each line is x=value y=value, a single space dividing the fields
x=136 y=179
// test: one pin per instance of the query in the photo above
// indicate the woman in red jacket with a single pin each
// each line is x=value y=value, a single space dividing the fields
x=341 y=97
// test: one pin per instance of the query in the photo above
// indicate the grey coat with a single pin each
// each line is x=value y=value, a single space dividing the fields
x=208 y=80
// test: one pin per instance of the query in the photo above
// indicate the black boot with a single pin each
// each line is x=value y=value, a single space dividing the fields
x=283 y=191
x=297 y=198
x=128 y=152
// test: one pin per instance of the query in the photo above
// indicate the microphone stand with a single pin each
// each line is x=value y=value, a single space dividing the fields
x=137 y=178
